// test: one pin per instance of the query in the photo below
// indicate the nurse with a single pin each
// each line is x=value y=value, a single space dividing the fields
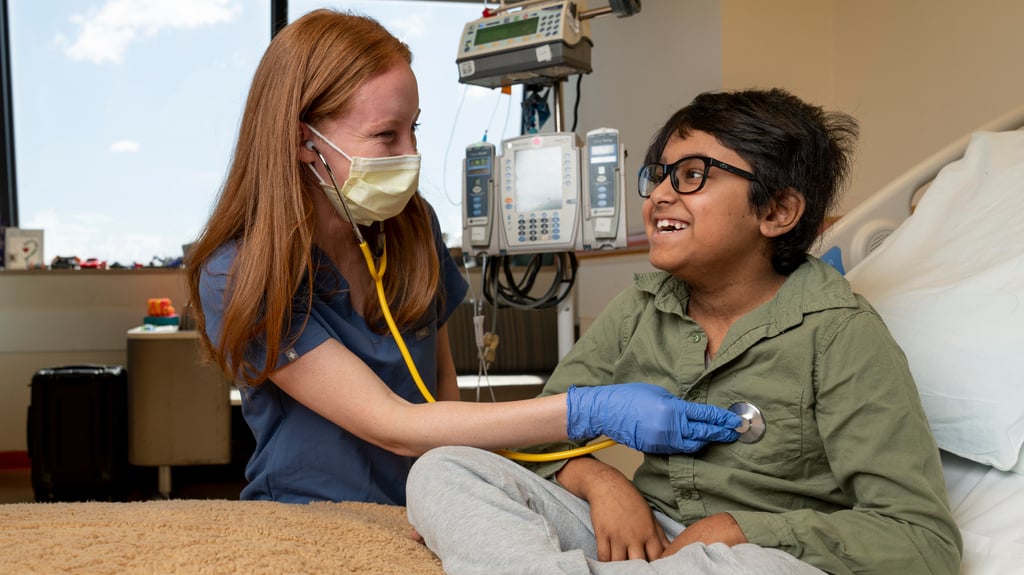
x=287 y=305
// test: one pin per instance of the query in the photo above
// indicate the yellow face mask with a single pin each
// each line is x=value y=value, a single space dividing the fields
x=376 y=189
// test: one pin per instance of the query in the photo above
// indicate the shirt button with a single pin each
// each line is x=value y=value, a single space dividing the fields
x=695 y=338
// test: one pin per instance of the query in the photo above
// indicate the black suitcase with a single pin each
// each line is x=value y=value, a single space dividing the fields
x=78 y=433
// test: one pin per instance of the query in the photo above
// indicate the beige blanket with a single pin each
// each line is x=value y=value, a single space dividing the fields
x=209 y=536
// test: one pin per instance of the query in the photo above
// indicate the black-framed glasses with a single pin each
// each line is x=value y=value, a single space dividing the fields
x=688 y=174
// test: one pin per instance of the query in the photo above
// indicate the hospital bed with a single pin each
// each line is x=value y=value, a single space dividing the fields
x=940 y=254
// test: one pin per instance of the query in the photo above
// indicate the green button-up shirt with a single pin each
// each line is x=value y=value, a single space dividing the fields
x=847 y=476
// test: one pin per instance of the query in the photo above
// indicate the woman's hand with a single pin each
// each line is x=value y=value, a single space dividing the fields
x=647 y=418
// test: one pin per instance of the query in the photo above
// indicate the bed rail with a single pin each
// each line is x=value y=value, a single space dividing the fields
x=866 y=226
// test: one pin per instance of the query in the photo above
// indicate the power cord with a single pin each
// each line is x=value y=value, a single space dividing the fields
x=515 y=293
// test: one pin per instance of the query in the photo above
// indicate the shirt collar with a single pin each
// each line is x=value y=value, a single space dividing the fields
x=812 y=287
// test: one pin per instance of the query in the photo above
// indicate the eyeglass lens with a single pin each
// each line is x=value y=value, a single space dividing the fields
x=687 y=176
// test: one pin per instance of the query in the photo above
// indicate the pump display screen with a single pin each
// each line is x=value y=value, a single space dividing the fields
x=506 y=31
x=603 y=153
x=538 y=177
x=478 y=166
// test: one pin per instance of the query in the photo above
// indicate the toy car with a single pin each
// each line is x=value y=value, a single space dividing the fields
x=65 y=263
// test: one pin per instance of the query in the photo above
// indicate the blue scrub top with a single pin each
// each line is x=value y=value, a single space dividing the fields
x=300 y=456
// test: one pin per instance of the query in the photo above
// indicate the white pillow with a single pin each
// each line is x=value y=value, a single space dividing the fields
x=949 y=283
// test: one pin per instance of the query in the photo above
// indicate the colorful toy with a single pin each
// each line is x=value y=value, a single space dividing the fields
x=160 y=311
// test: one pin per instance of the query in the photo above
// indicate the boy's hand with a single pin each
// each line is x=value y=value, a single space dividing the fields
x=647 y=418
x=624 y=525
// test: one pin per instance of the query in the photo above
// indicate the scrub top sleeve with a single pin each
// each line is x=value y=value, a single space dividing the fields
x=213 y=289
x=313 y=334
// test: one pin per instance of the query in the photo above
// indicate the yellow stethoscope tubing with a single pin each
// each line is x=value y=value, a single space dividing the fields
x=378 y=279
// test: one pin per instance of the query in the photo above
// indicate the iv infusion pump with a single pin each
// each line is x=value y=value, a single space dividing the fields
x=478 y=198
x=539 y=191
x=604 y=224
x=550 y=192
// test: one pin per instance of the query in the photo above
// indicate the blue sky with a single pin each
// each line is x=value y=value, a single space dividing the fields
x=126 y=112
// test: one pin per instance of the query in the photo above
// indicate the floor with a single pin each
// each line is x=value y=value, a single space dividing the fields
x=197 y=482
x=16 y=486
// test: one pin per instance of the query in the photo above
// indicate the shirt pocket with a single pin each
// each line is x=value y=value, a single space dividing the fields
x=781 y=406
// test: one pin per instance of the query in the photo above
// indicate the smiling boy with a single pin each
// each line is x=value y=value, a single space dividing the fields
x=846 y=478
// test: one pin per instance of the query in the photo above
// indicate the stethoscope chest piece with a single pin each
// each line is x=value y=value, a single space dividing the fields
x=753 y=426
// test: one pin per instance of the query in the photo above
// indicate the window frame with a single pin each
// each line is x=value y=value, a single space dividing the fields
x=8 y=180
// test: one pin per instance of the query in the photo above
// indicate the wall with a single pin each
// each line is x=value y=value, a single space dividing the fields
x=917 y=74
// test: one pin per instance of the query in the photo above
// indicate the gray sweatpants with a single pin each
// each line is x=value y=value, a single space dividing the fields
x=483 y=514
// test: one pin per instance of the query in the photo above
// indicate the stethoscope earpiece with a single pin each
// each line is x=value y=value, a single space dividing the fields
x=310 y=146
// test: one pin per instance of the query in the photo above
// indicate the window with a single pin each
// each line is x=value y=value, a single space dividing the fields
x=124 y=116
x=126 y=111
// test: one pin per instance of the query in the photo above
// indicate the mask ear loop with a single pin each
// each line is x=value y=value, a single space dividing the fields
x=337 y=190
x=377 y=274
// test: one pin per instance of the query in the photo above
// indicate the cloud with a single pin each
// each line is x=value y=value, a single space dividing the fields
x=104 y=34
x=125 y=146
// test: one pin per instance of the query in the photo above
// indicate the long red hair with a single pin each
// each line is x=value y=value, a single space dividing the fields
x=309 y=73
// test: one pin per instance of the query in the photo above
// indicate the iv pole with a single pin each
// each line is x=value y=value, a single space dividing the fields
x=566 y=313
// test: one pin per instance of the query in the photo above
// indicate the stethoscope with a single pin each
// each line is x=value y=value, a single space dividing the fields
x=751 y=431
x=753 y=427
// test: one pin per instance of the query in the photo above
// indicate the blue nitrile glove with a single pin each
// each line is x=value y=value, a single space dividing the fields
x=647 y=418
